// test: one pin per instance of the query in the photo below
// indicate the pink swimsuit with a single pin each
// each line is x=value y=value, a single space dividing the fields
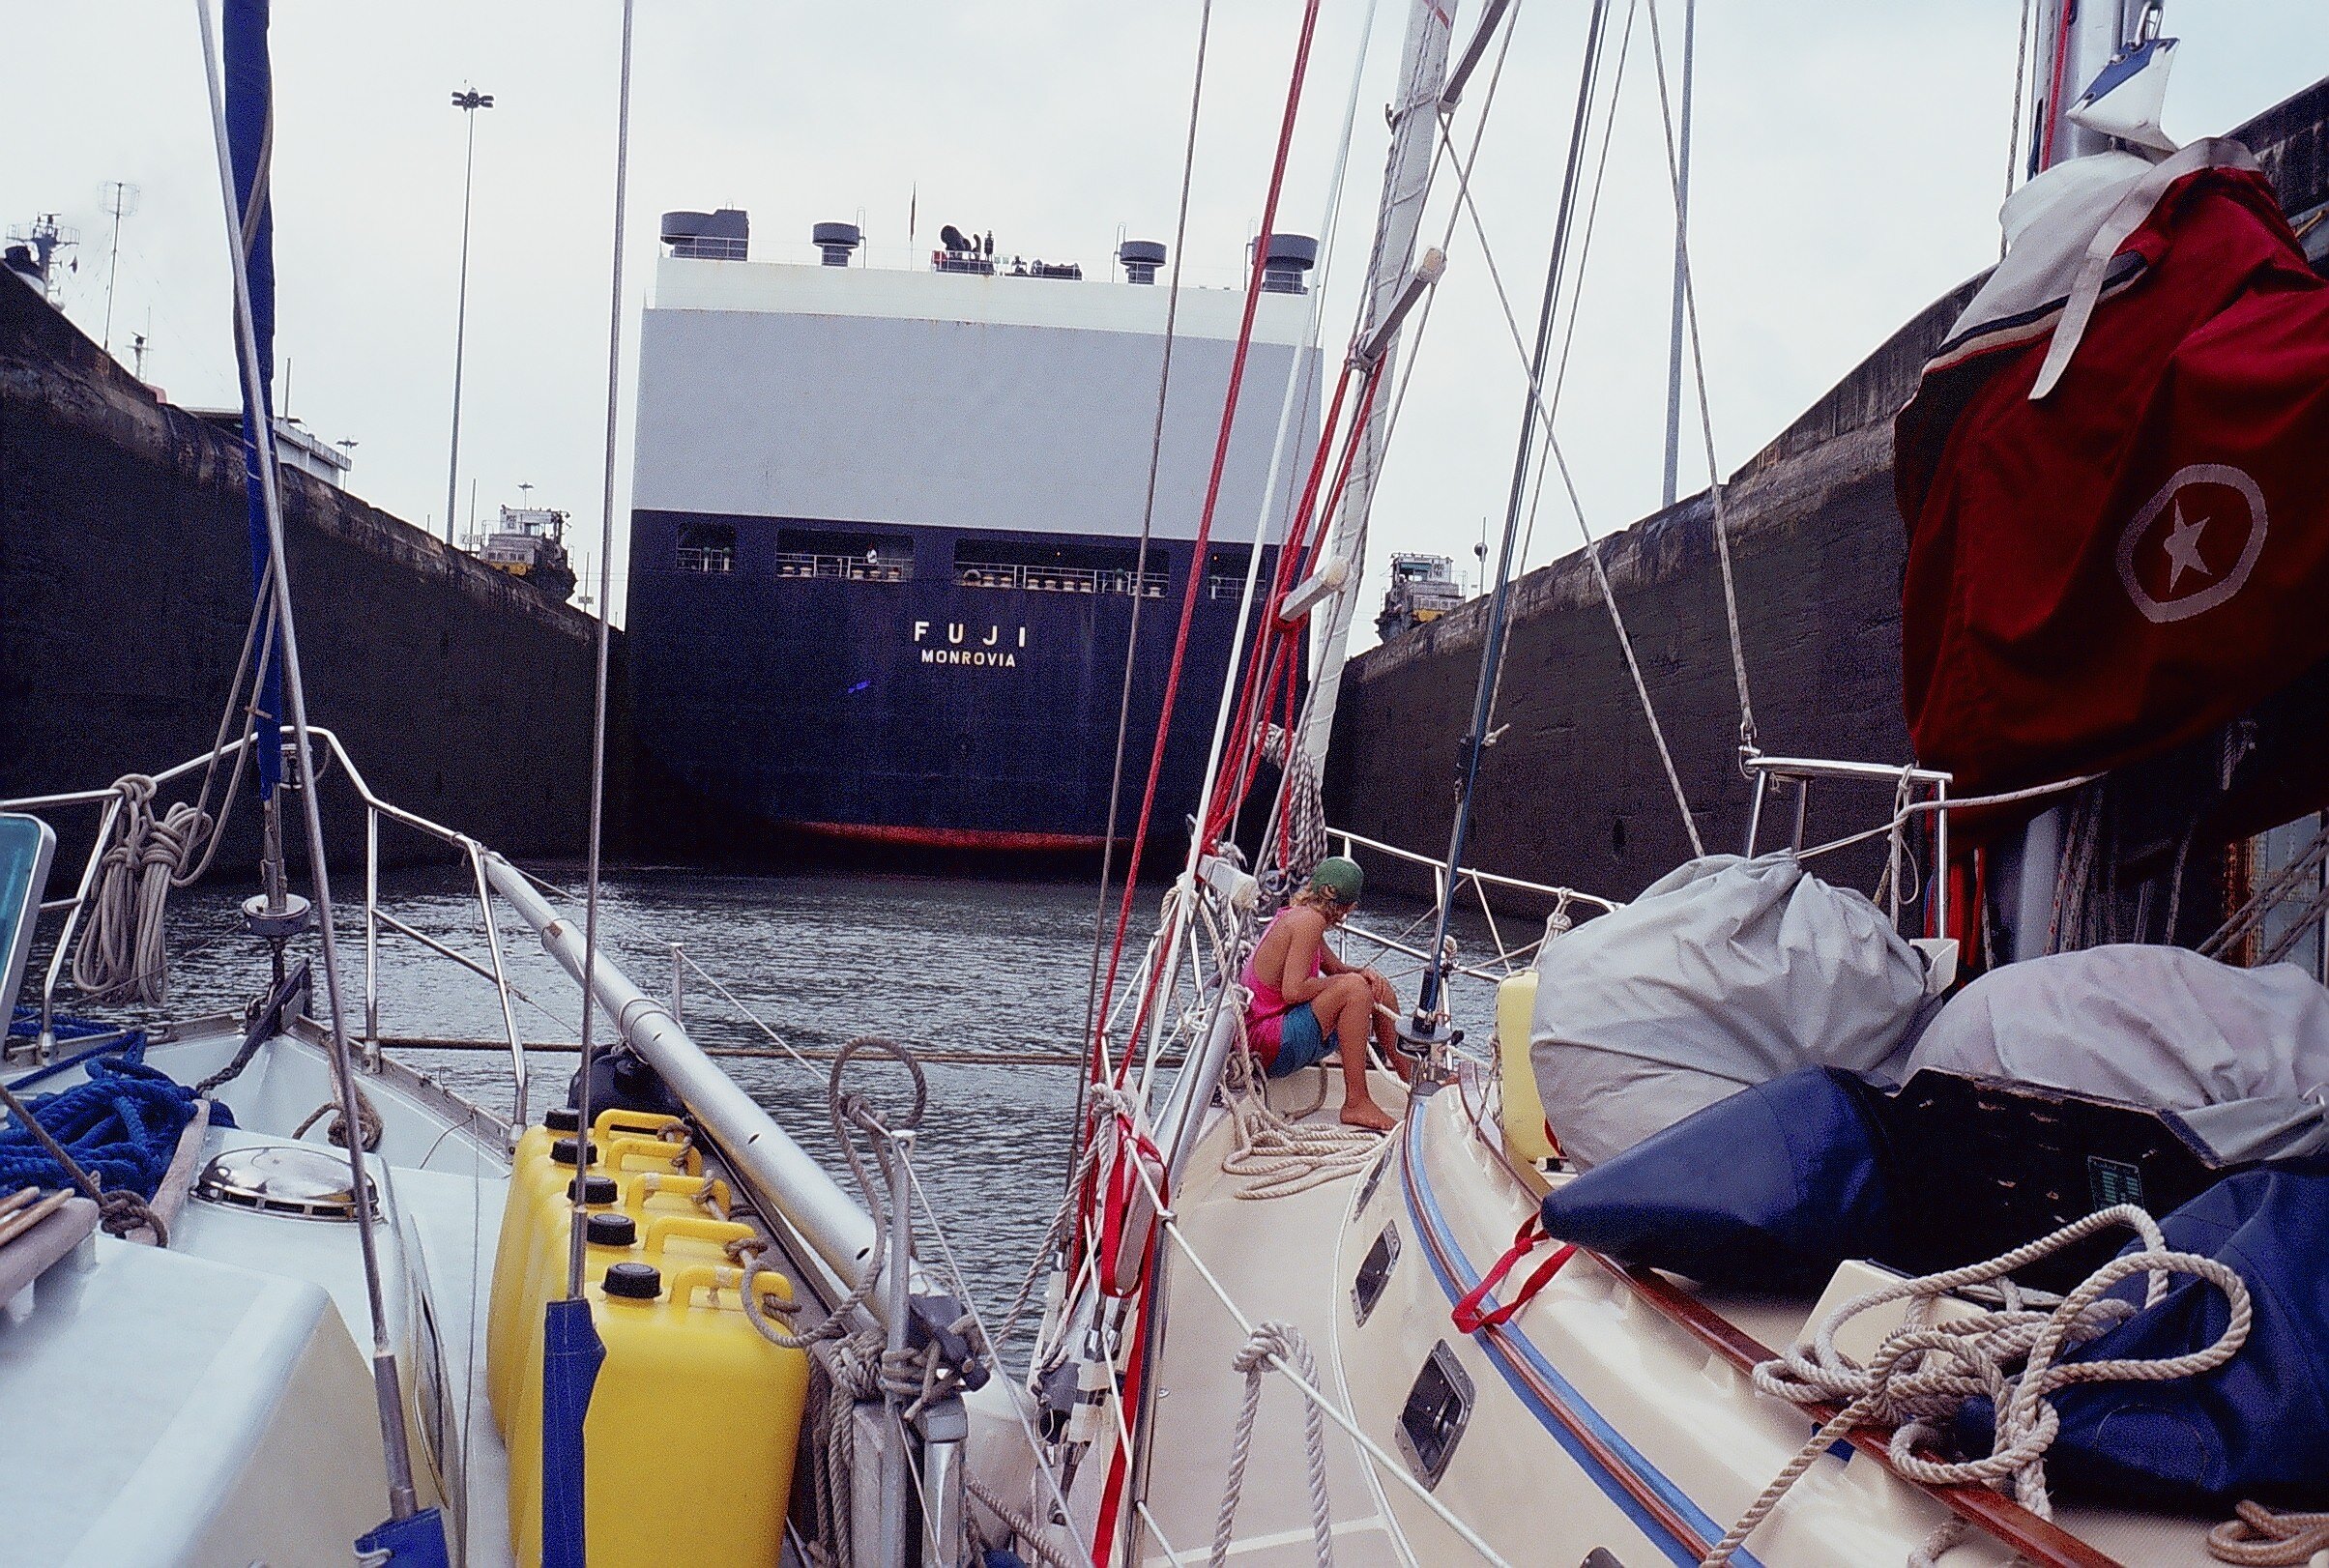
x=1265 y=1014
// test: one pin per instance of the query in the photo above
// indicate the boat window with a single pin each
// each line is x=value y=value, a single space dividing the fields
x=1436 y=1412
x=1432 y=1422
x=1373 y=1273
x=1225 y=574
x=707 y=547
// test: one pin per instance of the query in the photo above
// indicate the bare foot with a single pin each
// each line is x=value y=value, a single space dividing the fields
x=1365 y=1113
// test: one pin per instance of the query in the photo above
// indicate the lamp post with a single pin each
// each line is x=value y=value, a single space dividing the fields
x=468 y=101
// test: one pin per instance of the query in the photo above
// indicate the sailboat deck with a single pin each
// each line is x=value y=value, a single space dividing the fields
x=1277 y=1259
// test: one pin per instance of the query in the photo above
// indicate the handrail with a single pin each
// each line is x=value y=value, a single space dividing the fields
x=1472 y=873
x=780 y=1175
x=375 y=807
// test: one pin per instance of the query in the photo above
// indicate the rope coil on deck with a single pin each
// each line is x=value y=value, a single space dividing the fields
x=1925 y=1372
x=1282 y=1341
x=2257 y=1537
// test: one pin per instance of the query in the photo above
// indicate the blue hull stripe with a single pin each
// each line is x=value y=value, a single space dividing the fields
x=1456 y=1277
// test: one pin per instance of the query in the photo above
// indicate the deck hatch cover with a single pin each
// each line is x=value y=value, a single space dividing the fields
x=1432 y=1422
x=285 y=1178
x=1373 y=1273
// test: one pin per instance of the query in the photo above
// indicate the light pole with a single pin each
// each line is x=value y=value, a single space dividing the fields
x=468 y=101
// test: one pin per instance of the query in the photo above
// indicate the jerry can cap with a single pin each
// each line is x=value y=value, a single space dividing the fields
x=594 y=1188
x=561 y=1118
x=565 y=1149
x=634 y=1282
x=610 y=1231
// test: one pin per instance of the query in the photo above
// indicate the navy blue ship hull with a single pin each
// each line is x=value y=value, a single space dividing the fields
x=888 y=693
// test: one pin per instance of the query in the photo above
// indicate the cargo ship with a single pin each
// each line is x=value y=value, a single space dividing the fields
x=885 y=551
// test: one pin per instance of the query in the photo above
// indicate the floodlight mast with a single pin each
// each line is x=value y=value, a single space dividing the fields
x=468 y=101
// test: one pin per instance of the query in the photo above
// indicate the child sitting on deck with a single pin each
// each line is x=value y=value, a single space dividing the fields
x=1305 y=1000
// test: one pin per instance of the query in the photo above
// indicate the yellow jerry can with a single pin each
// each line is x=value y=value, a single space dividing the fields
x=682 y=1357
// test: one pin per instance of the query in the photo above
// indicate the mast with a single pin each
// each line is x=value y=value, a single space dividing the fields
x=1406 y=182
x=1681 y=260
x=1425 y=1027
x=2077 y=38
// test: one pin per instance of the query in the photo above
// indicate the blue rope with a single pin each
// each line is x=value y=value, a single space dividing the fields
x=123 y=1125
x=25 y=1022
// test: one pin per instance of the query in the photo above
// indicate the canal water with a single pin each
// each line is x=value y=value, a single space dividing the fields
x=990 y=978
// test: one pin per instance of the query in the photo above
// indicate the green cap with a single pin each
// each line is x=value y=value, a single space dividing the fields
x=1339 y=879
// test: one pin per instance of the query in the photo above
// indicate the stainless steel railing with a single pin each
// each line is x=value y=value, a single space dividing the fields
x=1467 y=879
x=782 y=1178
x=110 y=801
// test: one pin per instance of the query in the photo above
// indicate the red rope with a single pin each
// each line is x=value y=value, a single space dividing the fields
x=1205 y=529
x=1281 y=643
x=2053 y=92
x=1259 y=669
x=1467 y=1315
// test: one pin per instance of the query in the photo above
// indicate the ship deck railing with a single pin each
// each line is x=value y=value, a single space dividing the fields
x=1058 y=579
x=854 y=569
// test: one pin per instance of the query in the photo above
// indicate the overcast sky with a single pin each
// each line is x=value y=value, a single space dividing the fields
x=1849 y=162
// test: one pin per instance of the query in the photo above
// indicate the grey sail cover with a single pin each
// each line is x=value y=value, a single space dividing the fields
x=1725 y=972
x=2241 y=1055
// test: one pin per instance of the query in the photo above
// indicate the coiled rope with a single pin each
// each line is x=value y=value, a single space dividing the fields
x=1925 y=1372
x=1285 y=1341
x=2256 y=1537
x=1304 y=830
x=113 y=1136
x=121 y=956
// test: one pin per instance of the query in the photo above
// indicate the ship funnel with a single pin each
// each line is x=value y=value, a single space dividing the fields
x=722 y=235
x=1141 y=259
x=1289 y=257
x=835 y=242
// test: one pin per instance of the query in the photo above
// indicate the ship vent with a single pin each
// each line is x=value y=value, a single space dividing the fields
x=835 y=240
x=1141 y=259
x=721 y=235
x=1289 y=257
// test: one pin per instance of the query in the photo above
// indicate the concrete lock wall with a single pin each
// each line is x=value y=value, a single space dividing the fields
x=125 y=597
x=1573 y=791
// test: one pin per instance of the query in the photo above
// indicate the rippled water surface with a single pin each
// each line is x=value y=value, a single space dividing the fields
x=955 y=968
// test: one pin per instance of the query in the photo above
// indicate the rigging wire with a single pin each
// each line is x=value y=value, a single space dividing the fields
x=1139 y=571
x=386 y=1377
x=2013 y=125
x=1358 y=536
x=1475 y=740
x=1698 y=370
x=1568 y=342
x=1205 y=521
x=606 y=556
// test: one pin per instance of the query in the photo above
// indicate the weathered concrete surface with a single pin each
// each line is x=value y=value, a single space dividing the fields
x=1573 y=791
x=124 y=596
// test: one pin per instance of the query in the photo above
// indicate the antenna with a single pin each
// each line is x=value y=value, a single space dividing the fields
x=525 y=495
x=137 y=352
x=120 y=197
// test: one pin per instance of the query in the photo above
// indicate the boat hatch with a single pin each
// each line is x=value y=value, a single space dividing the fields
x=306 y=1183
